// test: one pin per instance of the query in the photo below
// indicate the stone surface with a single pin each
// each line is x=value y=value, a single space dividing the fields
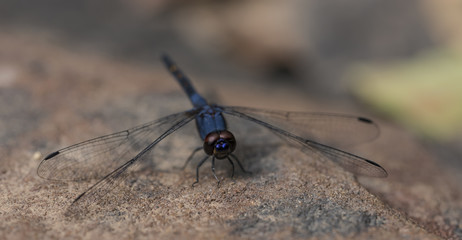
x=52 y=97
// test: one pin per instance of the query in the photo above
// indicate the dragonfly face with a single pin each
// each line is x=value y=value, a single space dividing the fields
x=219 y=144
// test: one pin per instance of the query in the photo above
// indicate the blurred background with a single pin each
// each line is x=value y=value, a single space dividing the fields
x=400 y=59
x=398 y=62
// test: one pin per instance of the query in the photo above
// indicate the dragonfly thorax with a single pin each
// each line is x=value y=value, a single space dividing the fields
x=219 y=144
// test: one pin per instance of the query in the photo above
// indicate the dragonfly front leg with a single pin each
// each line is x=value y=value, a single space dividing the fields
x=240 y=165
x=197 y=170
x=213 y=171
x=190 y=157
x=232 y=165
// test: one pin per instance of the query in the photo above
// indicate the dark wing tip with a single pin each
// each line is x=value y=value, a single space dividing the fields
x=51 y=155
x=365 y=120
x=383 y=172
x=78 y=198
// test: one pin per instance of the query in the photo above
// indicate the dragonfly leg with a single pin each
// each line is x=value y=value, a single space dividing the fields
x=232 y=164
x=213 y=171
x=240 y=165
x=190 y=157
x=197 y=170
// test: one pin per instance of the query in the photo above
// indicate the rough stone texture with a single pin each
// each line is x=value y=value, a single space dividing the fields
x=52 y=97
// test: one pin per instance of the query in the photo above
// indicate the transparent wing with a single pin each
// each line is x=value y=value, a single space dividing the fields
x=96 y=192
x=327 y=128
x=98 y=157
x=280 y=123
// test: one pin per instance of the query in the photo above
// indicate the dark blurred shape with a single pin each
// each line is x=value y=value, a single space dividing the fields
x=368 y=29
x=311 y=41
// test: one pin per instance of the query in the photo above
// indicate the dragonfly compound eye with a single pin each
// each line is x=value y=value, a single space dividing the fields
x=219 y=144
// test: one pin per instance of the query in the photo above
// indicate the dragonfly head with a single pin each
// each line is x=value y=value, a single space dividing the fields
x=219 y=144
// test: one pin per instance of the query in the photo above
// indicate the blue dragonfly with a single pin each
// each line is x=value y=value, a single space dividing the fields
x=109 y=157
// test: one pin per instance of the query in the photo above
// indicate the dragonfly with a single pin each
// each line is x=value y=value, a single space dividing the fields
x=109 y=157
